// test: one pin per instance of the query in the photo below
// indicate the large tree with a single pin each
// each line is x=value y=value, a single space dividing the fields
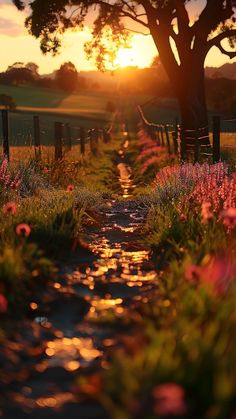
x=167 y=21
x=66 y=77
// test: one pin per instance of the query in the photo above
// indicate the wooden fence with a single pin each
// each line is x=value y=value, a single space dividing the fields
x=62 y=137
x=187 y=144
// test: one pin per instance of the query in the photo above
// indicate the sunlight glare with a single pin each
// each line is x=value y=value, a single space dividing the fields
x=126 y=57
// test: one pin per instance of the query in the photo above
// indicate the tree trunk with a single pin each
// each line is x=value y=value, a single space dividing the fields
x=190 y=92
x=192 y=98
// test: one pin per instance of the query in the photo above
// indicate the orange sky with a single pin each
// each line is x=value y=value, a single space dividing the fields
x=17 y=45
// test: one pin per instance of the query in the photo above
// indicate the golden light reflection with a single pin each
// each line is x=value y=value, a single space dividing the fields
x=66 y=350
x=54 y=401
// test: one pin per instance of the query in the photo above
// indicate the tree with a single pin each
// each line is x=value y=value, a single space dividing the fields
x=67 y=77
x=168 y=22
x=18 y=73
x=34 y=68
x=8 y=102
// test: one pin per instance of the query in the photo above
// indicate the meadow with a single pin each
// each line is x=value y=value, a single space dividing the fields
x=168 y=329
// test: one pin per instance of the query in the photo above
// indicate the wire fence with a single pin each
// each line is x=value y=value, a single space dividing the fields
x=37 y=132
x=209 y=142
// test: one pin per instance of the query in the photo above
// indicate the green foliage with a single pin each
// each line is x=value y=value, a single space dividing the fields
x=23 y=269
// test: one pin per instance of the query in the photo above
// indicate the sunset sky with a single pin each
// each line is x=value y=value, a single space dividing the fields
x=17 y=45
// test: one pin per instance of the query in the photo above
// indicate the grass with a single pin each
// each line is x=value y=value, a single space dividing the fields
x=181 y=361
x=43 y=217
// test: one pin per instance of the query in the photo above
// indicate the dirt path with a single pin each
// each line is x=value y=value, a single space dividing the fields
x=75 y=325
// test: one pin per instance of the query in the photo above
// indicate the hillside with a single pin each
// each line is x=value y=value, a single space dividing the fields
x=227 y=71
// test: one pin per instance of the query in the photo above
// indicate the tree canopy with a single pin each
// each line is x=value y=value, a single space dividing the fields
x=66 y=77
x=167 y=21
x=49 y=19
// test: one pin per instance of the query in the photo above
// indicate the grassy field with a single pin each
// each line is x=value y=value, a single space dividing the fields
x=87 y=109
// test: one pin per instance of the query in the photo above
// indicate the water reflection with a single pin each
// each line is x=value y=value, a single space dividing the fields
x=71 y=353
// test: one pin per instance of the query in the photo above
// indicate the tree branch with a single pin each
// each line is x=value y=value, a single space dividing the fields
x=182 y=16
x=216 y=41
x=215 y=13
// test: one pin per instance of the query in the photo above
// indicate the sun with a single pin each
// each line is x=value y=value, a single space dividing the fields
x=126 y=58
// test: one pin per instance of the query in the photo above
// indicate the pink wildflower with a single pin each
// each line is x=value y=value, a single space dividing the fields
x=9 y=208
x=219 y=273
x=229 y=217
x=169 y=400
x=23 y=230
x=183 y=217
x=193 y=273
x=3 y=303
x=70 y=188
x=206 y=213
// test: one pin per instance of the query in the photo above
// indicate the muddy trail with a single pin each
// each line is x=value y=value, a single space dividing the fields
x=73 y=326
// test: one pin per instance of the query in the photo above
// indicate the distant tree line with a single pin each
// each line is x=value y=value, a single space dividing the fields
x=66 y=78
x=221 y=92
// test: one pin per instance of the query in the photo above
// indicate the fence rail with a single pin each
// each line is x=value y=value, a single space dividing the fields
x=191 y=143
x=61 y=133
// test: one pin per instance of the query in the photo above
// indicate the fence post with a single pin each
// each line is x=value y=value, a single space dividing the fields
x=216 y=138
x=82 y=140
x=37 y=142
x=182 y=144
x=162 y=141
x=58 y=130
x=197 y=147
x=157 y=135
x=175 y=141
x=167 y=139
x=68 y=137
x=175 y=137
x=5 y=130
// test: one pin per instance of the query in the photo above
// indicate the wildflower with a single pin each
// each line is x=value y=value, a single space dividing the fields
x=23 y=230
x=192 y=273
x=229 y=217
x=206 y=213
x=9 y=208
x=169 y=400
x=70 y=188
x=3 y=303
x=219 y=273
x=182 y=217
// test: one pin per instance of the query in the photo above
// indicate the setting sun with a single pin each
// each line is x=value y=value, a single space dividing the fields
x=126 y=57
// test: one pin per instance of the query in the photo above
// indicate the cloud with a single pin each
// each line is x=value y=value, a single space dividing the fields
x=11 y=20
x=9 y=27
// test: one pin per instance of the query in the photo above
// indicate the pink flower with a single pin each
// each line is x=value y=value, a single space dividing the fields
x=169 y=400
x=9 y=208
x=193 y=273
x=219 y=272
x=3 y=303
x=70 y=188
x=183 y=217
x=229 y=217
x=23 y=230
x=206 y=213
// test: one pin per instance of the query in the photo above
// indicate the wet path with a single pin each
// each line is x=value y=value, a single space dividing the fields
x=77 y=323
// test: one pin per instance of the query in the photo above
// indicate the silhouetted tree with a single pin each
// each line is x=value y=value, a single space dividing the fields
x=168 y=22
x=8 y=102
x=67 y=77
x=34 y=68
x=18 y=73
